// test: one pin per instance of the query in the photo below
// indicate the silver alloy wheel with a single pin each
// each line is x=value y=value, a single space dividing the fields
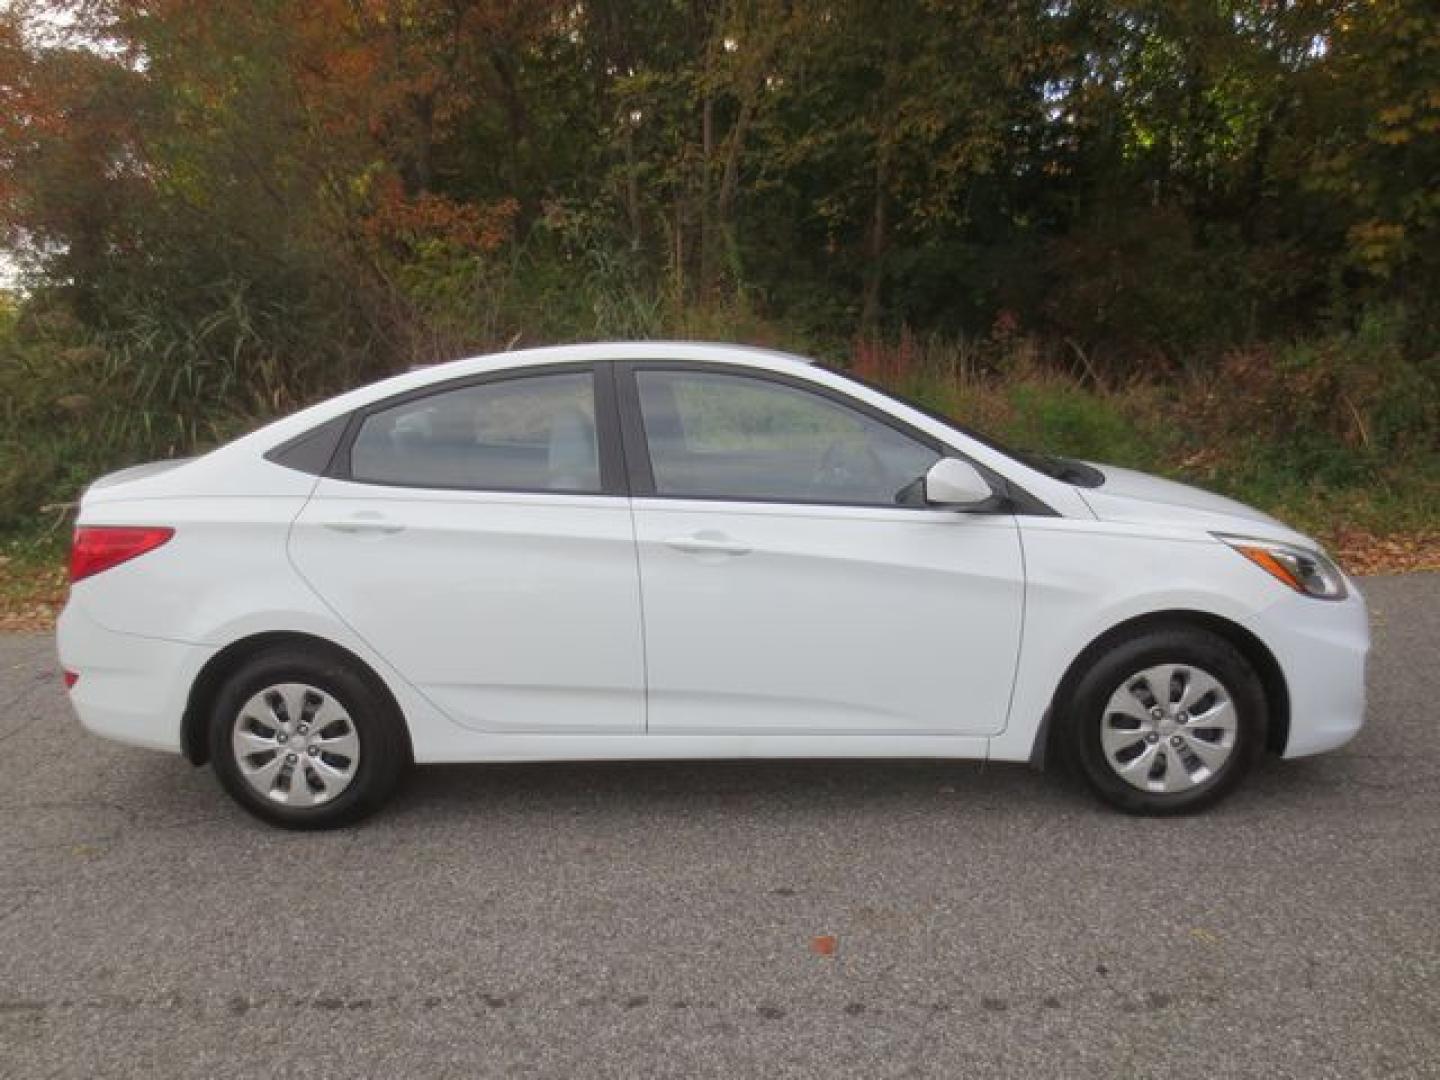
x=296 y=745
x=1169 y=728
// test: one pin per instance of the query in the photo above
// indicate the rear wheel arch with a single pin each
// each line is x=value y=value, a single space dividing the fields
x=1255 y=652
x=194 y=726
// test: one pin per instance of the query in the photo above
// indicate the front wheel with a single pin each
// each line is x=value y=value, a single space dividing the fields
x=302 y=740
x=1168 y=721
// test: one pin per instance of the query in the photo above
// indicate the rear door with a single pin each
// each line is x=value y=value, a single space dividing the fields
x=477 y=535
x=793 y=581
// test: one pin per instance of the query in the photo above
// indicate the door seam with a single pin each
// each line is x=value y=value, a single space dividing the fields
x=644 y=633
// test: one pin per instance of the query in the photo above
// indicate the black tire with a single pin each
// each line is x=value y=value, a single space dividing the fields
x=1120 y=662
x=384 y=750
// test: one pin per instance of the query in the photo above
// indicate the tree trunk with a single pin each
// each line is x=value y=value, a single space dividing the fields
x=517 y=119
x=419 y=173
x=730 y=179
x=707 y=214
x=632 y=189
x=877 y=239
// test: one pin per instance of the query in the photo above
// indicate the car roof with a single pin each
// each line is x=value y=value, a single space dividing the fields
x=422 y=377
x=258 y=443
x=592 y=351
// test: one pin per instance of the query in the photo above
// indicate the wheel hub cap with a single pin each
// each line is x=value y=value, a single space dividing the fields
x=1169 y=728
x=286 y=765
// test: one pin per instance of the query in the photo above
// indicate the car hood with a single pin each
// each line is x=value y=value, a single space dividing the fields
x=1139 y=498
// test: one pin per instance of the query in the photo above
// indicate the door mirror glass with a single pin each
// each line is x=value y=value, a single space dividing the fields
x=952 y=482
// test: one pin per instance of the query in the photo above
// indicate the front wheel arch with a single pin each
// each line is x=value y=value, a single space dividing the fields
x=194 y=725
x=1255 y=652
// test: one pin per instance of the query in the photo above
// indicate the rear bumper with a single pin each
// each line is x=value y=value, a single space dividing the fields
x=131 y=689
x=1321 y=647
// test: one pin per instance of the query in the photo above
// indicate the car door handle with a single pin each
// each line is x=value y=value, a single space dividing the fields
x=708 y=543
x=365 y=524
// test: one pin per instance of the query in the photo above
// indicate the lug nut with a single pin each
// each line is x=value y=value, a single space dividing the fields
x=292 y=758
x=282 y=737
x=304 y=728
x=1175 y=740
x=1157 y=713
x=313 y=751
x=1152 y=737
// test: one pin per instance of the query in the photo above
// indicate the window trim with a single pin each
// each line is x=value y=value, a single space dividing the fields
x=313 y=449
x=612 y=464
x=640 y=470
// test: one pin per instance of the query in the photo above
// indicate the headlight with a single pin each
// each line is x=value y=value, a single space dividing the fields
x=1302 y=569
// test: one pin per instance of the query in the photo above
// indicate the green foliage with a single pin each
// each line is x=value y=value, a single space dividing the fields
x=1349 y=411
x=1063 y=418
x=222 y=210
x=1331 y=431
x=74 y=403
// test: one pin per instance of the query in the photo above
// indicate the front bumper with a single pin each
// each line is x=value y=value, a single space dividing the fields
x=132 y=689
x=1321 y=646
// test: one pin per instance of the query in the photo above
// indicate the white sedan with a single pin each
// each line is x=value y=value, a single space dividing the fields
x=664 y=550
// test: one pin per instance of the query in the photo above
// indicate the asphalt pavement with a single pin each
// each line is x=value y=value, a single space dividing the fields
x=661 y=920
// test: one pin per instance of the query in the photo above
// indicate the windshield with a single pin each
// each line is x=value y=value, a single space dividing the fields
x=1066 y=470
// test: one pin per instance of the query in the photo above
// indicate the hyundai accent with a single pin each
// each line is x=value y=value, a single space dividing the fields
x=687 y=551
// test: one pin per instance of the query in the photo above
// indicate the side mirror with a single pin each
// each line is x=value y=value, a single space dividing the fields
x=956 y=483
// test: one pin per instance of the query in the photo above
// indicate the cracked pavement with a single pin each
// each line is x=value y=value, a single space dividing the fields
x=658 y=920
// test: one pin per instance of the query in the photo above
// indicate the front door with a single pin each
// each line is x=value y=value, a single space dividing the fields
x=793 y=581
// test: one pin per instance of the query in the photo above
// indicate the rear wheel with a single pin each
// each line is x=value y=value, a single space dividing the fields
x=1168 y=721
x=301 y=739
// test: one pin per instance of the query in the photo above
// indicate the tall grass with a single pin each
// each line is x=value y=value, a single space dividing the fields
x=1337 y=430
x=74 y=404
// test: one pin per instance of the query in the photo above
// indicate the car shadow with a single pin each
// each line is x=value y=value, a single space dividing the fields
x=682 y=786
x=712 y=792
x=687 y=790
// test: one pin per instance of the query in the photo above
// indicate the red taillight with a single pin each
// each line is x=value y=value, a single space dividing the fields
x=99 y=547
x=71 y=678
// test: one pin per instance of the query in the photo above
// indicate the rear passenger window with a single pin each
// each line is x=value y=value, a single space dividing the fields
x=530 y=433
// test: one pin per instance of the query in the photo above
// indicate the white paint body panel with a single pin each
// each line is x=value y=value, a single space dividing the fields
x=509 y=612
x=832 y=620
x=535 y=627
x=1085 y=577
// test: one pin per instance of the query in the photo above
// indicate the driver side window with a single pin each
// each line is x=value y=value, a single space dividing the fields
x=714 y=435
